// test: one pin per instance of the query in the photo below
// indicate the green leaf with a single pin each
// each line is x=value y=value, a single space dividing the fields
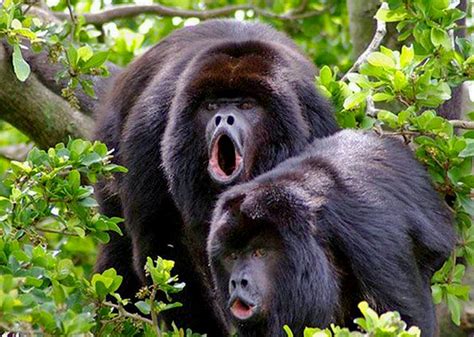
x=5 y=205
x=468 y=150
x=378 y=59
x=325 y=75
x=64 y=268
x=91 y=158
x=389 y=15
x=16 y=24
x=85 y=53
x=454 y=306
x=382 y=97
x=88 y=202
x=144 y=307
x=21 y=68
x=355 y=99
x=78 y=146
x=96 y=60
x=26 y=33
x=437 y=293
x=407 y=55
x=288 y=331
x=439 y=4
x=72 y=56
x=388 y=117
x=74 y=180
x=81 y=232
x=88 y=87
x=400 y=81
x=440 y=37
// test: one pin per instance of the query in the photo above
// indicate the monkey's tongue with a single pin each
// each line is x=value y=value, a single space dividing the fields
x=241 y=310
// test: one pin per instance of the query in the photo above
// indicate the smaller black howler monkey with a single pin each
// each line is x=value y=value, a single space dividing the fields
x=353 y=218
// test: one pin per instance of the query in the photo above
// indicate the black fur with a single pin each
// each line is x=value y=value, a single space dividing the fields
x=357 y=219
x=149 y=119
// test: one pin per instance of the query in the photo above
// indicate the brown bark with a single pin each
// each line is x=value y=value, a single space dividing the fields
x=38 y=112
x=362 y=23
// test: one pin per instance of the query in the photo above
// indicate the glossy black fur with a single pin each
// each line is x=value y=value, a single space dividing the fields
x=357 y=219
x=149 y=119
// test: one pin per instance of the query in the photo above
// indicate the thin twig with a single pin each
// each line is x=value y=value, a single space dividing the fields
x=401 y=133
x=45 y=230
x=370 y=109
x=460 y=124
x=300 y=9
x=154 y=316
x=127 y=11
x=125 y=313
x=71 y=12
x=27 y=9
x=373 y=45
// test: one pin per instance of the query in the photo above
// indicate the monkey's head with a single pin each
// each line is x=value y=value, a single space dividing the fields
x=268 y=271
x=240 y=108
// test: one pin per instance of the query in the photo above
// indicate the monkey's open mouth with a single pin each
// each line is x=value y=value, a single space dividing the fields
x=241 y=309
x=225 y=161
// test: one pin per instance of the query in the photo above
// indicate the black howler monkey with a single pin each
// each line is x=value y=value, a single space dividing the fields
x=353 y=217
x=208 y=107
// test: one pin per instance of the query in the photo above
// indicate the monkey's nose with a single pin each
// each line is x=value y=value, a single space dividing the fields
x=239 y=282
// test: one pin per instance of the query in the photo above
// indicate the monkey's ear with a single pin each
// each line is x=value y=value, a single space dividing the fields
x=232 y=203
x=227 y=208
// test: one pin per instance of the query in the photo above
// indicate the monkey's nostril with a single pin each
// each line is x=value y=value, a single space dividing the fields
x=244 y=283
x=233 y=284
x=218 y=120
x=230 y=120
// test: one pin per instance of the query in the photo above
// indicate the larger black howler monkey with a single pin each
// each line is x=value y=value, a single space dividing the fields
x=208 y=107
x=217 y=105
x=354 y=217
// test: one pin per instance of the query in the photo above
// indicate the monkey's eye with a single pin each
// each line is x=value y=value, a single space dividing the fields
x=259 y=253
x=211 y=106
x=232 y=256
x=247 y=105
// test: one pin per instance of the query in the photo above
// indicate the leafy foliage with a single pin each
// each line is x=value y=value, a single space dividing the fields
x=386 y=325
x=67 y=43
x=48 y=222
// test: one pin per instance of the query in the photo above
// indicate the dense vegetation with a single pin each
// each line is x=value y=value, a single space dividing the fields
x=49 y=223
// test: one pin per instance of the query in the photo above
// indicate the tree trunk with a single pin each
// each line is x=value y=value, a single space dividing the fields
x=362 y=23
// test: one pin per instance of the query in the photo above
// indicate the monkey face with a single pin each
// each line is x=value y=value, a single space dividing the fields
x=230 y=123
x=249 y=282
x=247 y=263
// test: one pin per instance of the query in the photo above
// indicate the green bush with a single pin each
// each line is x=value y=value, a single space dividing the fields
x=371 y=325
x=49 y=229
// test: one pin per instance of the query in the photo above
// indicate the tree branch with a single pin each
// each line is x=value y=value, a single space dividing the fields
x=373 y=45
x=45 y=71
x=36 y=111
x=127 y=11
x=16 y=152
x=460 y=124
x=125 y=313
